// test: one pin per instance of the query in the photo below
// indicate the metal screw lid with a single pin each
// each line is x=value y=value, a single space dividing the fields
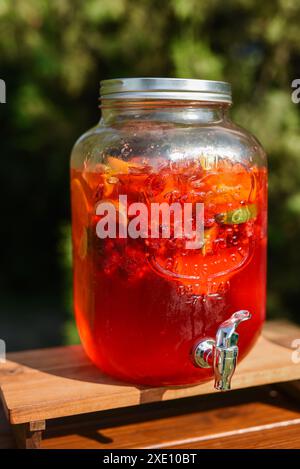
x=166 y=88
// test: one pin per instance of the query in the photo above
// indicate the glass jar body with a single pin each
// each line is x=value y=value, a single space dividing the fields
x=140 y=302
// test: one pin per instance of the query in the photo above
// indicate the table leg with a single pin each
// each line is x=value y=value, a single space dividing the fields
x=29 y=435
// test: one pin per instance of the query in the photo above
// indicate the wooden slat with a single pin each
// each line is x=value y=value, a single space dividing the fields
x=249 y=418
x=58 y=382
x=279 y=437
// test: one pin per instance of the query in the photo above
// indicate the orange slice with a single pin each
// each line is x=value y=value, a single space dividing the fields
x=79 y=203
x=118 y=166
x=123 y=167
x=80 y=211
x=83 y=245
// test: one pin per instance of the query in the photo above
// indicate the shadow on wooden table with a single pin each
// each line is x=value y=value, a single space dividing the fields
x=179 y=423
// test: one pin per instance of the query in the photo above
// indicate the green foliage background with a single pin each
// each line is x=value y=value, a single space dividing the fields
x=53 y=54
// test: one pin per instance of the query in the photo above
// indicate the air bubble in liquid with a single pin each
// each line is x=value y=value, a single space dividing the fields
x=112 y=180
x=126 y=150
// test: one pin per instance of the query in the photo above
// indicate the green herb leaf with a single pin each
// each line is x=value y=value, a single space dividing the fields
x=240 y=215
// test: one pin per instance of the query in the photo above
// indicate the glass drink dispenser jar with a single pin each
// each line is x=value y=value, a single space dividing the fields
x=157 y=303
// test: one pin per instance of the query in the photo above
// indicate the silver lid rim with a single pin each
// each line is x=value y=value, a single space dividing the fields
x=166 y=88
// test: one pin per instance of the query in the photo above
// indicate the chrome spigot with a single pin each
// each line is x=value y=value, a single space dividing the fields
x=221 y=353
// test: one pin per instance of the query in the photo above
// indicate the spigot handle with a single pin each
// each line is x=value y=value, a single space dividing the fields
x=226 y=334
x=223 y=350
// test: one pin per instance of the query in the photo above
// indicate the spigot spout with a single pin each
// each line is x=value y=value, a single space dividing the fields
x=225 y=360
x=223 y=350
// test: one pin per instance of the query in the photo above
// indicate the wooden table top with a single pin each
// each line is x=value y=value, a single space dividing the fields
x=264 y=417
x=61 y=384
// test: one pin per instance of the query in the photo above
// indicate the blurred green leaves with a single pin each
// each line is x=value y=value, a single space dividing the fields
x=100 y=12
x=193 y=58
x=293 y=204
x=53 y=54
